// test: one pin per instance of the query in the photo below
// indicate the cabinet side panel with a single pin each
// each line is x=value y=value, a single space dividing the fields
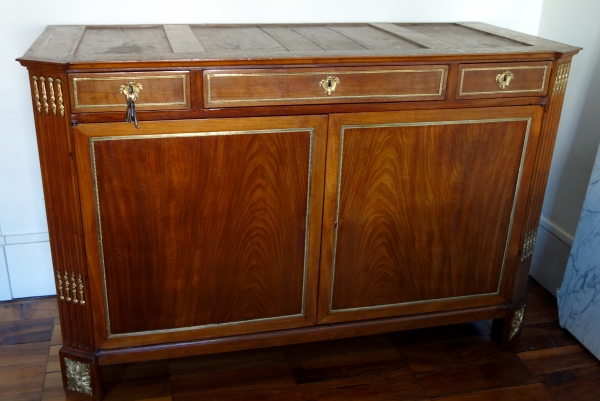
x=548 y=133
x=52 y=121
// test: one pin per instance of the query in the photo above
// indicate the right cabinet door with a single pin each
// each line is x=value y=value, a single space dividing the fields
x=423 y=209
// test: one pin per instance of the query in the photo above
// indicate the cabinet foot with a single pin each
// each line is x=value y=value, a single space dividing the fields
x=80 y=374
x=507 y=329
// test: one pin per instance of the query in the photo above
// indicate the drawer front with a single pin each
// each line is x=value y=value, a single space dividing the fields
x=503 y=80
x=295 y=86
x=160 y=90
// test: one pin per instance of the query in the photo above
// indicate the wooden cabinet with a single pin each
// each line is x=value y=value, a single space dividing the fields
x=287 y=184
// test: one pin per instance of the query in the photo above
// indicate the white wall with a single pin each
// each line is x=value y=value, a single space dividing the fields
x=577 y=23
x=22 y=218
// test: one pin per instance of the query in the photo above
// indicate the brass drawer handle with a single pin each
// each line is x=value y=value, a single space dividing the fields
x=131 y=90
x=328 y=84
x=504 y=79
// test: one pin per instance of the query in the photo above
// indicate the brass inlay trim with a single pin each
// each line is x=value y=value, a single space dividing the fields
x=81 y=299
x=74 y=284
x=516 y=322
x=127 y=79
x=417 y=124
x=61 y=106
x=78 y=376
x=67 y=288
x=60 y=287
x=209 y=100
x=36 y=93
x=501 y=69
x=44 y=95
x=93 y=140
x=52 y=97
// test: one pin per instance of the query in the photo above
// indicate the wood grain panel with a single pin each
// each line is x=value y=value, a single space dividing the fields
x=162 y=90
x=409 y=228
x=213 y=226
x=203 y=247
x=423 y=208
x=291 y=86
x=479 y=80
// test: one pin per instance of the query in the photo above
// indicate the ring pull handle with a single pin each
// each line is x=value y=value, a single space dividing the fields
x=504 y=79
x=328 y=84
x=131 y=90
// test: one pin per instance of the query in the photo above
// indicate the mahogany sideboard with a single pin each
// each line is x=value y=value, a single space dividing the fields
x=278 y=184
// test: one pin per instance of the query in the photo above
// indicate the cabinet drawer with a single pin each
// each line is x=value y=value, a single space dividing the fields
x=294 y=86
x=503 y=80
x=161 y=90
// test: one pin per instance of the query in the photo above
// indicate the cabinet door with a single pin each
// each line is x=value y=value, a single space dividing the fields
x=204 y=228
x=423 y=209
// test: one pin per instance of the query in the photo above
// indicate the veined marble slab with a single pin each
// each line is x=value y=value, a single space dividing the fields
x=579 y=295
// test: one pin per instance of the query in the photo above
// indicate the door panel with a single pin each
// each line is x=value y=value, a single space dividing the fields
x=424 y=209
x=204 y=228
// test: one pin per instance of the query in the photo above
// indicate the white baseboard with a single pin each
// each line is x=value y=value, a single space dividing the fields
x=557 y=231
x=549 y=260
x=25 y=266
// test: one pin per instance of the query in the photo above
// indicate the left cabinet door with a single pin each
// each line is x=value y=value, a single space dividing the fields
x=202 y=228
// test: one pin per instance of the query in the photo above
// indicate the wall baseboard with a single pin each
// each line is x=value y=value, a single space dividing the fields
x=25 y=266
x=550 y=259
x=557 y=231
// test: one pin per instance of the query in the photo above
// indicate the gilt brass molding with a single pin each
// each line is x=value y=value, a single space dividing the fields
x=60 y=287
x=61 y=105
x=415 y=124
x=36 y=91
x=52 y=96
x=516 y=322
x=78 y=376
x=562 y=76
x=80 y=282
x=529 y=244
x=41 y=95
x=67 y=288
x=94 y=140
x=44 y=95
x=71 y=287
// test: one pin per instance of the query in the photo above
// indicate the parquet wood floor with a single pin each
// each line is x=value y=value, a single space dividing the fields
x=451 y=363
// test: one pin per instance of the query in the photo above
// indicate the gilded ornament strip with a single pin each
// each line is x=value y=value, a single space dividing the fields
x=52 y=97
x=61 y=105
x=60 y=287
x=44 y=95
x=56 y=97
x=36 y=92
